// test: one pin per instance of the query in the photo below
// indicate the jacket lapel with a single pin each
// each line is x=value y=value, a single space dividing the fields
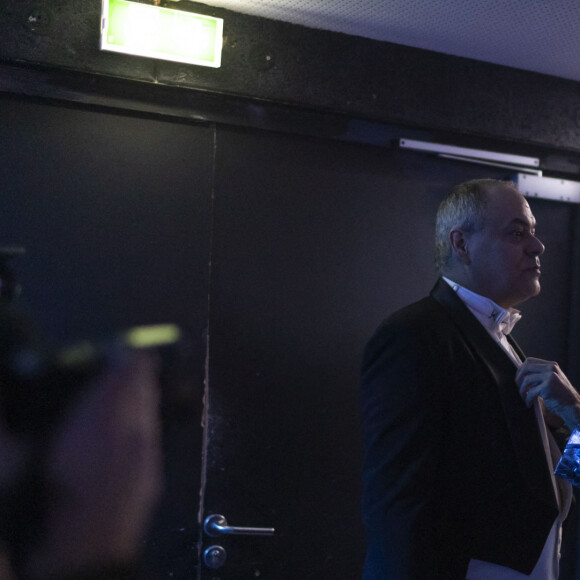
x=522 y=422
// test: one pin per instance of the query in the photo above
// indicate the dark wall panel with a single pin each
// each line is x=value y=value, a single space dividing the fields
x=114 y=212
x=268 y=60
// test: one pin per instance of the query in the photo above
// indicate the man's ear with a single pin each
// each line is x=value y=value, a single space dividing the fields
x=459 y=245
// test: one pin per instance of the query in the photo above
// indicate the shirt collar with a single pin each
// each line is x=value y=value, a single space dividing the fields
x=493 y=317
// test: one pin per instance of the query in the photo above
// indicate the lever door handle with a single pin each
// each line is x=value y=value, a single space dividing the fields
x=216 y=525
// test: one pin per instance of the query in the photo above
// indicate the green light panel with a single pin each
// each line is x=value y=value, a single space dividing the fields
x=162 y=33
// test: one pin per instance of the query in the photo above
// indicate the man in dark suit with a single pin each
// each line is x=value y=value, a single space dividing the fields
x=458 y=461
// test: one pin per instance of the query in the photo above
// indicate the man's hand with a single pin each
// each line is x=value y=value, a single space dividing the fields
x=541 y=378
x=106 y=464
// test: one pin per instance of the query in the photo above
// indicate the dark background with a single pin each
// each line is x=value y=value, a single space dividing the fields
x=268 y=211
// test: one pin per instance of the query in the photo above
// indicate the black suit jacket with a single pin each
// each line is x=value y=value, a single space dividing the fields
x=454 y=464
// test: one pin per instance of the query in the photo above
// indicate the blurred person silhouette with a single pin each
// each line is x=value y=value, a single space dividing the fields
x=76 y=500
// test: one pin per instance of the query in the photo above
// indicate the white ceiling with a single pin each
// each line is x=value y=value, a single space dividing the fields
x=537 y=35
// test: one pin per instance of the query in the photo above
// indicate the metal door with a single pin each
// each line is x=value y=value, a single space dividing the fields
x=294 y=296
x=114 y=212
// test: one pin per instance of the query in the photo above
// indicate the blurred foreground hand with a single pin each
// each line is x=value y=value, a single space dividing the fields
x=105 y=465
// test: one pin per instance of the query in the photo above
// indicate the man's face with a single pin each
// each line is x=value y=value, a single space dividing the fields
x=505 y=254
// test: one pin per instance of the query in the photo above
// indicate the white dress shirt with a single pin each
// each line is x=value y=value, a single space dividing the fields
x=499 y=322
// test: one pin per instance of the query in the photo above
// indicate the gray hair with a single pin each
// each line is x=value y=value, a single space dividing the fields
x=464 y=207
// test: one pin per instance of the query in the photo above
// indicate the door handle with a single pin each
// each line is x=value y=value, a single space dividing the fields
x=216 y=525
